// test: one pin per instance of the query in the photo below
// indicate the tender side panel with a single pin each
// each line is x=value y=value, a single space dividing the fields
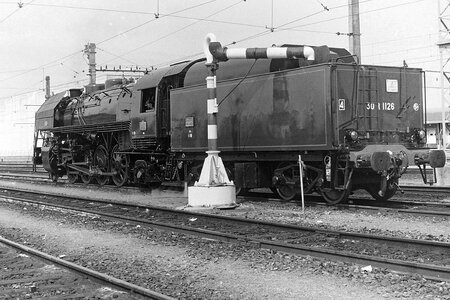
x=283 y=111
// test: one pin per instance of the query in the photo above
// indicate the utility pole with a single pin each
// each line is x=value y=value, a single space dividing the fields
x=89 y=50
x=47 y=87
x=444 y=53
x=354 y=28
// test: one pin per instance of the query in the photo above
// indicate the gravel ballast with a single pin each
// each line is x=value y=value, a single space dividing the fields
x=185 y=267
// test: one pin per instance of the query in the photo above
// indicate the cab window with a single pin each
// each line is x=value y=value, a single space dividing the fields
x=148 y=100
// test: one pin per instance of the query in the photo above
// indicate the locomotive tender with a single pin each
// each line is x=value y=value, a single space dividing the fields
x=355 y=126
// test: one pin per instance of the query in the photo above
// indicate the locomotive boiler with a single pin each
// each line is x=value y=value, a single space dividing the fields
x=355 y=126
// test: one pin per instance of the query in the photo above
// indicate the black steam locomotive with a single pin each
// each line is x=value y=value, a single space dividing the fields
x=355 y=126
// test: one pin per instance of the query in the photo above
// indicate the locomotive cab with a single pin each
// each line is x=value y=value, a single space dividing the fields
x=143 y=111
x=150 y=106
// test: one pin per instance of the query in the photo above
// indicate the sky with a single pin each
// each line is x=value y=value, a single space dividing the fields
x=46 y=37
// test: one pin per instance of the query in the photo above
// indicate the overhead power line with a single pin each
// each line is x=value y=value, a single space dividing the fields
x=21 y=94
x=152 y=20
x=402 y=50
x=400 y=39
x=320 y=12
x=117 y=56
x=94 y=9
x=323 y=9
x=267 y=31
x=279 y=28
x=20 y=5
x=184 y=27
x=346 y=16
x=57 y=61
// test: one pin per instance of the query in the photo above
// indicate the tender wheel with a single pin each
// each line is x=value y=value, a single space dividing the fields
x=343 y=173
x=119 y=166
x=286 y=192
x=391 y=189
x=335 y=196
x=101 y=161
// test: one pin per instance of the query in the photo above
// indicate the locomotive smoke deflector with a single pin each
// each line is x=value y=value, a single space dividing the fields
x=313 y=54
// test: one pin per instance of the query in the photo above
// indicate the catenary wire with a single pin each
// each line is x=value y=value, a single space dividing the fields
x=16 y=10
x=183 y=28
x=150 y=21
x=72 y=54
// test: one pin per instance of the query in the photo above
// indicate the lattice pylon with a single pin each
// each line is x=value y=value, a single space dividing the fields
x=444 y=52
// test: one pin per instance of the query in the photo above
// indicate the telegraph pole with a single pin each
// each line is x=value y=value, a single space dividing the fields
x=47 y=87
x=89 y=50
x=354 y=28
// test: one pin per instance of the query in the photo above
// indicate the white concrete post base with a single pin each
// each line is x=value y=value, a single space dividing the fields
x=221 y=196
x=213 y=189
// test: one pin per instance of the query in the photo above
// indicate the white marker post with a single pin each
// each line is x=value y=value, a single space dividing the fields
x=300 y=165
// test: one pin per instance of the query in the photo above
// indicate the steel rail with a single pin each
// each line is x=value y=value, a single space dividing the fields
x=406 y=187
x=349 y=206
x=400 y=210
x=314 y=203
x=244 y=221
x=433 y=189
x=266 y=196
x=121 y=284
x=427 y=270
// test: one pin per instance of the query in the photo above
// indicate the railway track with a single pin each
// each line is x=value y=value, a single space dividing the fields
x=359 y=201
x=427 y=258
x=28 y=273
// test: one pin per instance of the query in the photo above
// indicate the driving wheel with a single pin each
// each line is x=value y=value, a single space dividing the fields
x=119 y=166
x=101 y=161
x=72 y=177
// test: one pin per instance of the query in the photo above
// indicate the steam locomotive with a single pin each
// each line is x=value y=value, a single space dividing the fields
x=355 y=126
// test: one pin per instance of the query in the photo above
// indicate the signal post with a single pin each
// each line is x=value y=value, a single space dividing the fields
x=213 y=189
